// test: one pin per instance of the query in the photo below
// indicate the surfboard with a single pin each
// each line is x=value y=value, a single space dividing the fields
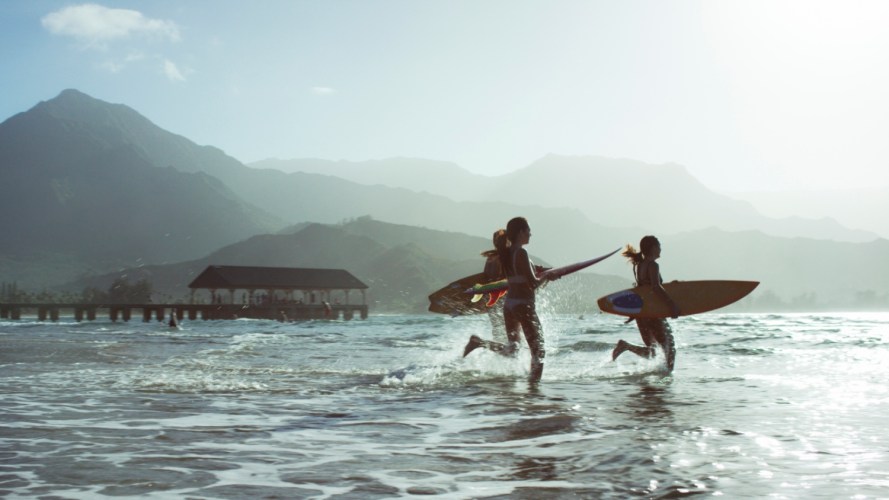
x=692 y=297
x=453 y=299
x=464 y=296
x=553 y=273
x=558 y=272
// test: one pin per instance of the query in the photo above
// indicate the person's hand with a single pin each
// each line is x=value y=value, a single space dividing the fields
x=548 y=276
x=675 y=310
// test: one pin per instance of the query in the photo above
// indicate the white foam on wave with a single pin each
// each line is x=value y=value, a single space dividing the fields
x=449 y=367
x=190 y=382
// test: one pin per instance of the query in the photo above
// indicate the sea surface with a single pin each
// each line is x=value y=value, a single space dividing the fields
x=759 y=406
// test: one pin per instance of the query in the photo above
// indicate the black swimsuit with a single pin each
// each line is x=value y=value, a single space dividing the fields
x=519 y=310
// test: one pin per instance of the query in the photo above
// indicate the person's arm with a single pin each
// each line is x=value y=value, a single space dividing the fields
x=523 y=262
x=654 y=276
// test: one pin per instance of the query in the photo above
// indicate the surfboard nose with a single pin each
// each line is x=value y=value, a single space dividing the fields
x=624 y=302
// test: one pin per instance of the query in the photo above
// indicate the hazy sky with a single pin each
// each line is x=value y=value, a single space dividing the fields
x=746 y=94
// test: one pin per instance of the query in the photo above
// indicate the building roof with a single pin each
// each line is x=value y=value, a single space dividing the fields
x=280 y=278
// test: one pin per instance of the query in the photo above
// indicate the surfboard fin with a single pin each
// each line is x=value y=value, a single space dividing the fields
x=493 y=297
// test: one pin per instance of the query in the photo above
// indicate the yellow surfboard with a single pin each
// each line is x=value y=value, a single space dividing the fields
x=692 y=297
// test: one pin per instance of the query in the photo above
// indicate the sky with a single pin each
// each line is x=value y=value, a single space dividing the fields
x=747 y=95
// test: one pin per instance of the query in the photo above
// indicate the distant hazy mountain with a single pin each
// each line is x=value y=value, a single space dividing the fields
x=561 y=234
x=854 y=208
x=417 y=174
x=838 y=274
x=610 y=192
x=82 y=178
x=664 y=196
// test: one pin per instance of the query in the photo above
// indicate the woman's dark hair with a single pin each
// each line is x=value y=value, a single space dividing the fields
x=646 y=245
x=513 y=228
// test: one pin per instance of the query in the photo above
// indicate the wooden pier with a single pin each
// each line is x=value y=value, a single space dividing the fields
x=279 y=293
x=162 y=312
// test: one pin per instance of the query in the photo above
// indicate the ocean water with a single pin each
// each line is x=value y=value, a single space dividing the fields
x=759 y=406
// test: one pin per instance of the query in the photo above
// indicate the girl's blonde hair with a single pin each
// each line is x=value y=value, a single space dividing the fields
x=500 y=243
x=646 y=245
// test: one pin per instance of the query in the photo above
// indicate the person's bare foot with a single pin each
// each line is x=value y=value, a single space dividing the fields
x=474 y=343
x=618 y=349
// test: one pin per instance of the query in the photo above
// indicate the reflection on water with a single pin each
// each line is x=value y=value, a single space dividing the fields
x=650 y=403
x=537 y=468
x=758 y=406
x=530 y=428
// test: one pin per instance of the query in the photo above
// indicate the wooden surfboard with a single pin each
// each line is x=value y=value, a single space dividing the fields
x=692 y=297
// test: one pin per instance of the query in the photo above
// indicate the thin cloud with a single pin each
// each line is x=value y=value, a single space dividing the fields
x=117 y=66
x=172 y=71
x=323 y=90
x=96 y=24
x=111 y=66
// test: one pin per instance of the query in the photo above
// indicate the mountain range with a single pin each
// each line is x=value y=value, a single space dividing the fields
x=400 y=264
x=82 y=178
x=853 y=208
x=97 y=191
x=604 y=190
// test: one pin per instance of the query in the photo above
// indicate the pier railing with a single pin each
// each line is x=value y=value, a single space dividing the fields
x=162 y=312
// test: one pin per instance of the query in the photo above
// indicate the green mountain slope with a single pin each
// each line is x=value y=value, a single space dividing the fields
x=78 y=186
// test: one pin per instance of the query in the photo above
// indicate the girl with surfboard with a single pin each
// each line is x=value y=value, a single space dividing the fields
x=647 y=272
x=493 y=272
x=519 y=310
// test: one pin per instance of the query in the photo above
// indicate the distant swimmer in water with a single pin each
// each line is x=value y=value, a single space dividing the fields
x=653 y=330
x=173 y=322
x=519 y=310
x=328 y=311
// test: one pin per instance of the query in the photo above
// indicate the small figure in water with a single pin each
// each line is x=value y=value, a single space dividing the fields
x=647 y=272
x=519 y=310
x=173 y=322
x=328 y=311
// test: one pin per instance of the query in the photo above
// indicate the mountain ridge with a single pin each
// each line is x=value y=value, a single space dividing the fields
x=101 y=187
x=78 y=185
x=579 y=179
